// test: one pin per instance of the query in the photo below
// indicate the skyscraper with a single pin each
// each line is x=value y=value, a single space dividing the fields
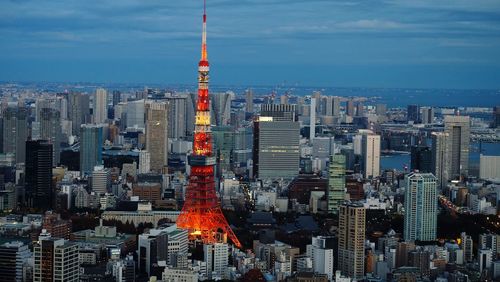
x=336 y=183
x=78 y=111
x=370 y=150
x=321 y=255
x=221 y=105
x=421 y=158
x=420 y=217
x=135 y=114
x=413 y=113
x=100 y=112
x=38 y=177
x=101 y=180
x=352 y=219
x=116 y=97
x=249 y=101
x=349 y=108
x=458 y=129
x=427 y=115
x=312 y=121
x=56 y=260
x=177 y=119
x=15 y=132
x=440 y=157
x=50 y=130
x=91 y=140
x=276 y=148
x=496 y=117
x=157 y=134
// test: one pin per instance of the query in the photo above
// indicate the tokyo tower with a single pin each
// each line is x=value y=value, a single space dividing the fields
x=201 y=213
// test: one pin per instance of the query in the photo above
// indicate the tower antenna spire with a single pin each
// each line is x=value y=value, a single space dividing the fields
x=204 y=34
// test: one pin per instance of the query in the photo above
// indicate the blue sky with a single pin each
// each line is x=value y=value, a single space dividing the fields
x=370 y=43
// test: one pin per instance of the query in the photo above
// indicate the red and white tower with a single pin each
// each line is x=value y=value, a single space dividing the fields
x=201 y=213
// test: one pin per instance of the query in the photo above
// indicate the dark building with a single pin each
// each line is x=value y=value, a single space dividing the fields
x=38 y=176
x=355 y=189
x=302 y=186
x=12 y=257
x=413 y=113
x=116 y=97
x=496 y=116
x=421 y=158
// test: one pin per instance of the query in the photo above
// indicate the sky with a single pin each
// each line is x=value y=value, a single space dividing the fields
x=345 y=43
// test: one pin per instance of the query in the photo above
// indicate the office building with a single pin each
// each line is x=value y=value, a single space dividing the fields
x=349 y=108
x=57 y=227
x=78 y=111
x=279 y=112
x=440 y=157
x=413 y=113
x=276 y=148
x=421 y=159
x=174 y=274
x=101 y=180
x=336 y=183
x=466 y=244
x=100 y=109
x=420 y=218
x=56 y=260
x=249 y=101
x=312 y=120
x=116 y=97
x=15 y=132
x=221 y=107
x=485 y=259
x=489 y=167
x=216 y=256
x=496 y=117
x=144 y=161
x=38 y=176
x=322 y=256
x=152 y=248
x=135 y=114
x=351 y=248
x=157 y=135
x=177 y=118
x=488 y=241
x=370 y=151
x=50 y=130
x=91 y=140
x=427 y=115
x=458 y=130
x=13 y=255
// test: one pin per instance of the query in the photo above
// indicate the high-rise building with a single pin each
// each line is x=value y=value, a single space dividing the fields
x=440 y=157
x=249 y=101
x=57 y=227
x=312 y=120
x=100 y=110
x=420 y=219
x=370 y=150
x=157 y=134
x=135 y=114
x=13 y=255
x=349 y=108
x=38 y=176
x=279 y=112
x=15 y=132
x=152 y=247
x=276 y=148
x=144 y=161
x=101 y=179
x=91 y=140
x=336 y=183
x=413 y=113
x=177 y=118
x=484 y=258
x=427 y=115
x=488 y=241
x=221 y=105
x=466 y=244
x=421 y=158
x=78 y=111
x=489 y=167
x=458 y=129
x=496 y=117
x=50 y=130
x=56 y=260
x=116 y=97
x=216 y=256
x=351 y=250
x=322 y=256
x=381 y=109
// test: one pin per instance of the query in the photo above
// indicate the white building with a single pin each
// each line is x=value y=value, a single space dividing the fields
x=101 y=179
x=55 y=259
x=489 y=167
x=100 y=105
x=321 y=255
x=144 y=160
x=179 y=275
x=216 y=256
x=370 y=150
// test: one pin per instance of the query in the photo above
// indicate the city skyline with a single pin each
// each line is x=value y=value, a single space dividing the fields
x=440 y=44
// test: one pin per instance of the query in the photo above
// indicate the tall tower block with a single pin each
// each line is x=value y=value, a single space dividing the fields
x=201 y=213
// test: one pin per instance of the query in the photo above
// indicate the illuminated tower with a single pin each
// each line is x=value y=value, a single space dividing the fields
x=201 y=213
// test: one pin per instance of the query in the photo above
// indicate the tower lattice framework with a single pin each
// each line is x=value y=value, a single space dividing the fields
x=201 y=213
